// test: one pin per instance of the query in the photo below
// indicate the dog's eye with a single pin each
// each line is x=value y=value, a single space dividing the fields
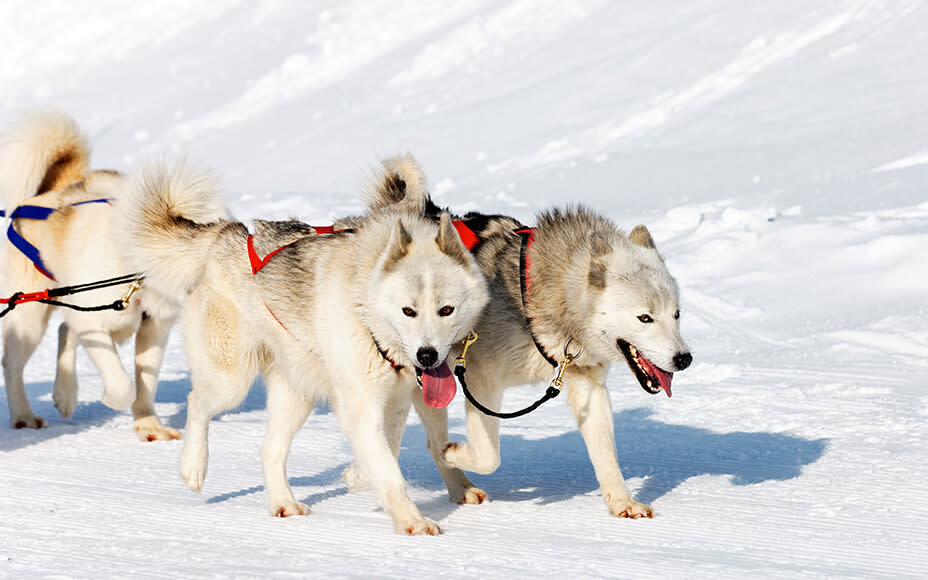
x=446 y=311
x=409 y=312
x=677 y=315
x=645 y=318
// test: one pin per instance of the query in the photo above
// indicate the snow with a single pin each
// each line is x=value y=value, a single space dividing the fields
x=777 y=151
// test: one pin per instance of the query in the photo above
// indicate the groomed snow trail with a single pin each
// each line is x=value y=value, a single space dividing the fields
x=777 y=152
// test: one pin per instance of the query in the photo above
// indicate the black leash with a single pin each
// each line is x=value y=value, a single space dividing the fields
x=553 y=390
x=550 y=393
x=48 y=295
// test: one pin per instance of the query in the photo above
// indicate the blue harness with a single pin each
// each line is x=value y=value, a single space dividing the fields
x=35 y=212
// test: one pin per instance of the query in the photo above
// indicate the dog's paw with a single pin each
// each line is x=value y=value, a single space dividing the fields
x=152 y=429
x=193 y=468
x=287 y=508
x=461 y=456
x=65 y=398
x=27 y=421
x=354 y=480
x=629 y=508
x=118 y=395
x=469 y=496
x=418 y=527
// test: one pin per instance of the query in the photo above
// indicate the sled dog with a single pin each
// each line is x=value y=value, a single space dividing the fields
x=582 y=281
x=351 y=317
x=44 y=162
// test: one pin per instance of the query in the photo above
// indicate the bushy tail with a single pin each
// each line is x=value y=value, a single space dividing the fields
x=169 y=218
x=399 y=184
x=43 y=151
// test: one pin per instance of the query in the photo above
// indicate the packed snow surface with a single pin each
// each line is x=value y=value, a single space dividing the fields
x=778 y=151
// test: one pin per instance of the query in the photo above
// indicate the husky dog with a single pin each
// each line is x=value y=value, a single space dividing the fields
x=44 y=163
x=351 y=317
x=583 y=282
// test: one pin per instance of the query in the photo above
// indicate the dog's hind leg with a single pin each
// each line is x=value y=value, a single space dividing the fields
x=589 y=398
x=287 y=411
x=480 y=453
x=212 y=393
x=222 y=368
x=22 y=332
x=435 y=423
x=65 y=396
x=150 y=342
x=118 y=390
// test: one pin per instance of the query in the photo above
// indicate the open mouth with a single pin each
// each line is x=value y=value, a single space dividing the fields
x=438 y=385
x=651 y=378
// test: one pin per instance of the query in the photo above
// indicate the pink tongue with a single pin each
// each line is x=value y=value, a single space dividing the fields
x=438 y=386
x=664 y=377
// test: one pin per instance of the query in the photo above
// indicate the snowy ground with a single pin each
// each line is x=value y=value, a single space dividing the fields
x=778 y=151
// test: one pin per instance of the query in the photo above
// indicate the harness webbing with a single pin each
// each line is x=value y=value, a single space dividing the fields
x=36 y=212
x=528 y=236
x=467 y=235
x=257 y=263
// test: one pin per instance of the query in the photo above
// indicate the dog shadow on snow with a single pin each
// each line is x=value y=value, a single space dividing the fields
x=557 y=468
x=90 y=414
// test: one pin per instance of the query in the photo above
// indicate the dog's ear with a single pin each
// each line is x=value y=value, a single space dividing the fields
x=449 y=242
x=398 y=246
x=642 y=237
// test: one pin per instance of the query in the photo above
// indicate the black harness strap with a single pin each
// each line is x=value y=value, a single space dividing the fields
x=527 y=235
x=48 y=296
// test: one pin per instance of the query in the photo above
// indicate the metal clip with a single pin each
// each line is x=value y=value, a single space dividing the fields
x=133 y=288
x=461 y=361
x=558 y=382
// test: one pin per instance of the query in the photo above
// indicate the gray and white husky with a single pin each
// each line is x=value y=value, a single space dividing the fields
x=351 y=317
x=585 y=283
x=44 y=162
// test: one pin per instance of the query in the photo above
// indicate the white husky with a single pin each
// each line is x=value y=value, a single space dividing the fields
x=44 y=164
x=573 y=281
x=350 y=317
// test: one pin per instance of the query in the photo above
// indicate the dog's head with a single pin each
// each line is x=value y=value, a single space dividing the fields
x=426 y=293
x=635 y=308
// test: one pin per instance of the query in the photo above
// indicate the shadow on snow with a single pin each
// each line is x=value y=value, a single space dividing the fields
x=557 y=468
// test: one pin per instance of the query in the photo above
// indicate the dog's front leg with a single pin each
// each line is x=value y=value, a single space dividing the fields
x=435 y=422
x=592 y=408
x=480 y=453
x=22 y=332
x=361 y=415
x=150 y=342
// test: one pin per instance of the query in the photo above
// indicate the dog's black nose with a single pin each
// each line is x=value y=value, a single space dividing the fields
x=427 y=356
x=682 y=360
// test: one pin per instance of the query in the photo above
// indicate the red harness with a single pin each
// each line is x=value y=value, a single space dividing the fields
x=257 y=263
x=470 y=240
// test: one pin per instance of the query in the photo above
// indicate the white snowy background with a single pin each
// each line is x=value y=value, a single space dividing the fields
x=777 y=150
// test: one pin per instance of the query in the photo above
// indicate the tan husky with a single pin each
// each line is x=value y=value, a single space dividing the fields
x=351 y=317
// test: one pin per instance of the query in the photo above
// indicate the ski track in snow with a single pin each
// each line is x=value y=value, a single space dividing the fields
x=776 y=152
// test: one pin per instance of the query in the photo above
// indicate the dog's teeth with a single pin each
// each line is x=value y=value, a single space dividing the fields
x=649 y=384
x=632 y=350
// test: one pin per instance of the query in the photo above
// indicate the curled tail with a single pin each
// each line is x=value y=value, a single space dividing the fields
x=43 y=151
x=170 y=217
x=398 y=184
